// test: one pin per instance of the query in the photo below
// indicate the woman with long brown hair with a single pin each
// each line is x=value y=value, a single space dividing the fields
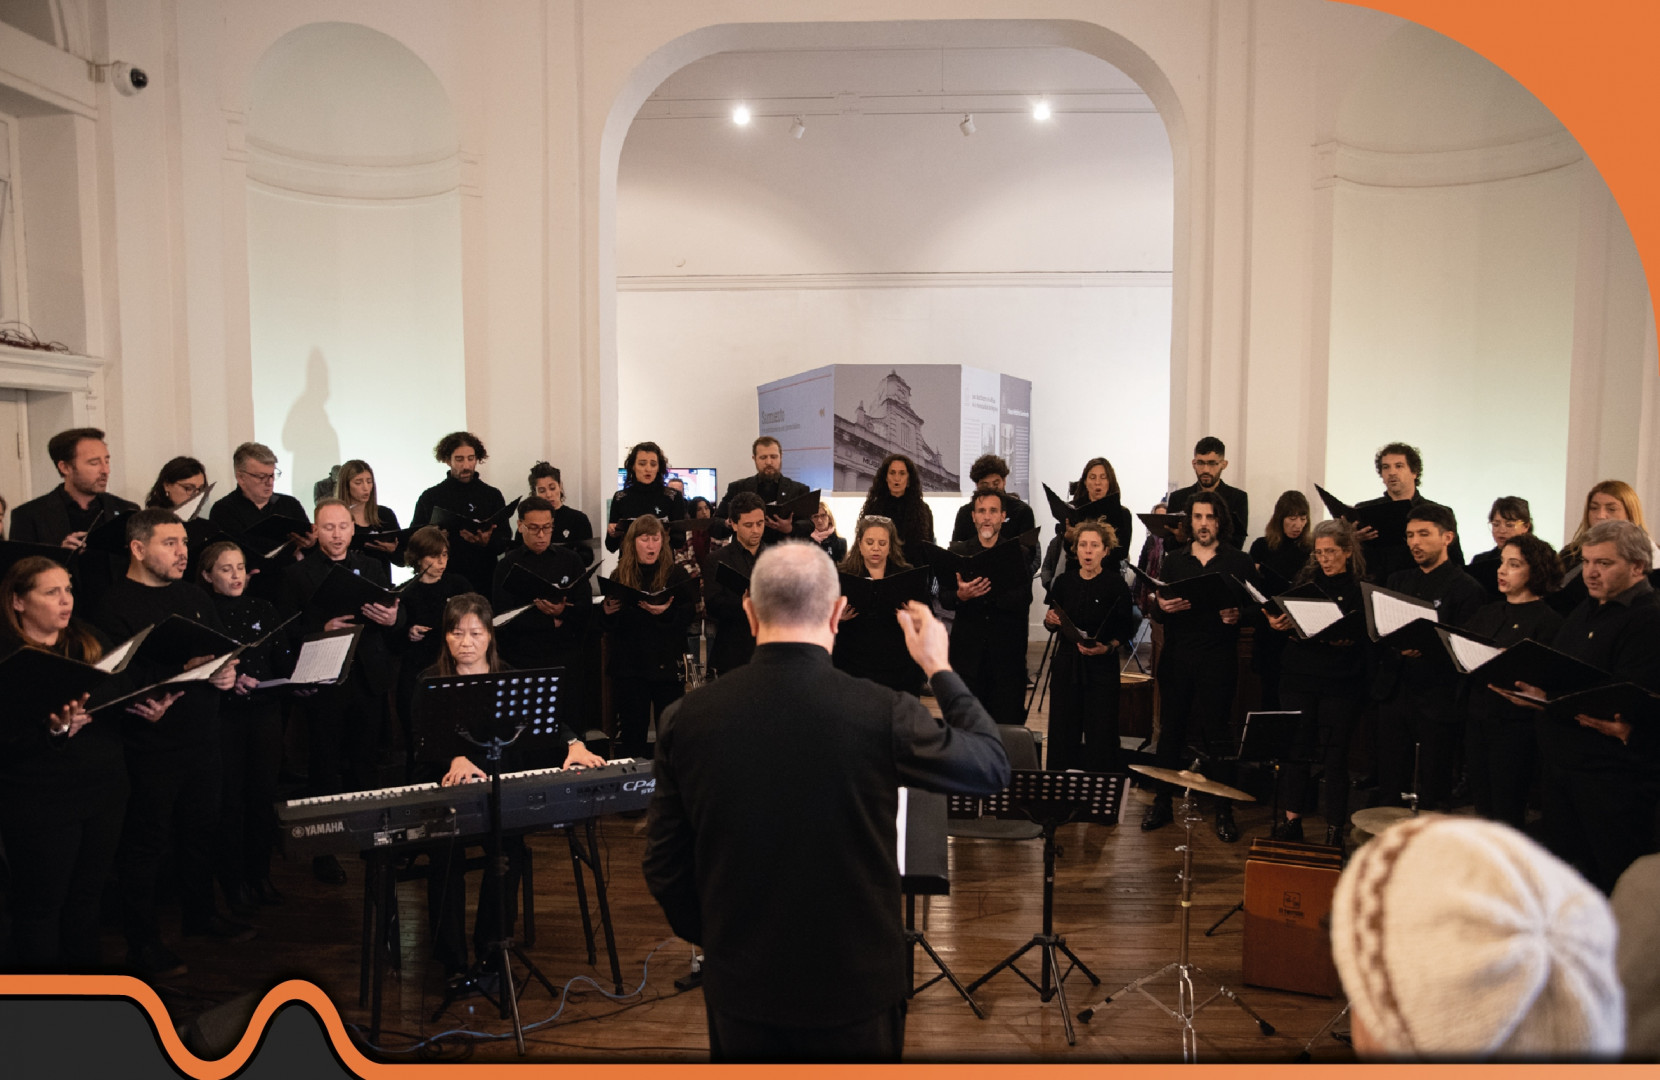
x=896 y=494
x=356 y=488
x=871 y=644
x=1280 y=554
x=646 y=640
x=63 y=784
x=1083 y=691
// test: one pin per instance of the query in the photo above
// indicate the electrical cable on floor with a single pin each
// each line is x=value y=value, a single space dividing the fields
x=486 y=1036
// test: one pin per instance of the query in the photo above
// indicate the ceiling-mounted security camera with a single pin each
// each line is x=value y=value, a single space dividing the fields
x=128 y=80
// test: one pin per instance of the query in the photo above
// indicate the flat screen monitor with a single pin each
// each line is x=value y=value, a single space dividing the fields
x=697 y=481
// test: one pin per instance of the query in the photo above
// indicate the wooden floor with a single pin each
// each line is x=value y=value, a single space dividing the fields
x=1115 y=903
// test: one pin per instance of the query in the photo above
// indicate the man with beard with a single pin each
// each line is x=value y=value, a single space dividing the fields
x=988 y=636
x=991 y=471
x=473 y=552
x=1399 y=466
x=172 y=759
x=1199 y=664
x=770 y=483
x=343 y=720
x=1210 y=461
x=1417 y=694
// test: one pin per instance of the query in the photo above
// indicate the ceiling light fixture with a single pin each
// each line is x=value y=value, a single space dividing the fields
x=967 y=125
x=1041 y=111
x=740 y=115
x=797 y=129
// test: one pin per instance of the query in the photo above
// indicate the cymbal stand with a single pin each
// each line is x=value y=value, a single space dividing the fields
x=1340 y=1036
x=1183 y=968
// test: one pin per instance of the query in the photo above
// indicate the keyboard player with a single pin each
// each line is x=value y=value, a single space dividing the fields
x=469 y=648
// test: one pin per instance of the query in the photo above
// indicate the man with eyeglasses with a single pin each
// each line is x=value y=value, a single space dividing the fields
x=1210 y=460
x=546 y=634
x=255 y=499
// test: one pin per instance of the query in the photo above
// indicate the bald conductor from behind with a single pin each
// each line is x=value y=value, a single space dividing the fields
x=772 y=836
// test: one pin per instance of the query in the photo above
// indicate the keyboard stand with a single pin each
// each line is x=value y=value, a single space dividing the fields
x=587 y=853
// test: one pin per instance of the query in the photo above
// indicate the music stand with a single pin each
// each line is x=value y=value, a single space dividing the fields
x=493 y=712
x=1269 y=738
x=1050 y=800
x=925 y=870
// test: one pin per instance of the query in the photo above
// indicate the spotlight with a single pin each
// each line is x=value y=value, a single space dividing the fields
x=967 y=125
x=740 y=115
x=797 y=129
x=1040 y=111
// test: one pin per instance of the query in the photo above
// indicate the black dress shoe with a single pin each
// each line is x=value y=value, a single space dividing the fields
x=1157 y=816
x=266 y=893
x=1289 y=829
x=327 y=869
x=1226 y=830
x=241 y=902
x=222 y=929
x=156 y=961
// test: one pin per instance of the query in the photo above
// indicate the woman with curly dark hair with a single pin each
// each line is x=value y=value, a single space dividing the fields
x=896 y=494
x=1502 y=748
x=645 y=492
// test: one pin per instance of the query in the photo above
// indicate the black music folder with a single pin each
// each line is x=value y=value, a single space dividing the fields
x=1626 y=700
x=13 y=552
x=1063 y=511
x=1070 y=631
x=732 y=578
x=267 y=537
x=1400 y=621
x=1258 y=597
x=677 y=529
x=173 y=642
x=363 y=537
x=448 y=520
x=1315 y=616
x=36 y=683
x=1389 y=518
x=889 y=593
x=108 y=533
x=1214 y=591
x=614 y=589
x=324 y=659
x=200 y=673
x=344 y=593
x=802 y=506
x=1003 y=564
x=525 y=582
x=1556 y=673
x=1164 y=526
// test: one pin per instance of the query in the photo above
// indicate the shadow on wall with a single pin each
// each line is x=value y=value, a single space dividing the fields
x=312 y=445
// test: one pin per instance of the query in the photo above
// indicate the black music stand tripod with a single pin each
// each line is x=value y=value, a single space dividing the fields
x=1269 y=738
x=1050 y=800
x=493 y=712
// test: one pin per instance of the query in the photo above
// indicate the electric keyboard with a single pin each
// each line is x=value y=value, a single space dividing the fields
x=418 y=813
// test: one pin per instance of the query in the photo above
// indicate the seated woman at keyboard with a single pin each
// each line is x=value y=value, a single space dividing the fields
x=470 y=649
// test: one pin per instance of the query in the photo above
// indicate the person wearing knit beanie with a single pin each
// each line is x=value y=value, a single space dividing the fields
x=1459 y=938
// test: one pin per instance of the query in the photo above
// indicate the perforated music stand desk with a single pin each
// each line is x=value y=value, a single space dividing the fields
x=1050 y=800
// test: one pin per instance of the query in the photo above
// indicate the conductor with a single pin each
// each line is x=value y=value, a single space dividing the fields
x=772 y=836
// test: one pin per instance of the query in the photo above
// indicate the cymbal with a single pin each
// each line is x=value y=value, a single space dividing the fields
x=1184 y=779
x=1375 y=819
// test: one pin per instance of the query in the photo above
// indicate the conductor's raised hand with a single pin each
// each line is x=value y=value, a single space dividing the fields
x=925 y=638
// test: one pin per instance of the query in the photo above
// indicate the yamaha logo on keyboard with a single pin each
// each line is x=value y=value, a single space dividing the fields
x=321 y=828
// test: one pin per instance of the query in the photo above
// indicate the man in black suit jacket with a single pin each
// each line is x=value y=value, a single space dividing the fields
x=1210 y=460
x=770 y=483
x=63 y=516
x=772 y=838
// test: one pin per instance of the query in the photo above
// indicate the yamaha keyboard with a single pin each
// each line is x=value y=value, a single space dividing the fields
x=418 y=813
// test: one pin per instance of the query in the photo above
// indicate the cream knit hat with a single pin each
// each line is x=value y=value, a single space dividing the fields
x=1461 y=938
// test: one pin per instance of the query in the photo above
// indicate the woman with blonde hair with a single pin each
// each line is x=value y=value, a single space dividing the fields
x=871 y=644
x=1608 y=500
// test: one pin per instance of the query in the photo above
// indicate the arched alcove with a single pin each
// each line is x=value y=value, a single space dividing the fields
x=787 y=254
x=1454 y=253
x=354 y=257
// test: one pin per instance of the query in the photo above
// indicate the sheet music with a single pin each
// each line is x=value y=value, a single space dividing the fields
x=115 y=656
x=1390 y=614
x=321 y=660
x=1311 y=616
x=1252 y=589
x=904 y=812
x=508 y=616
x=1470 y=654
x=199 y=673
x=187 y=509
x=274 y=552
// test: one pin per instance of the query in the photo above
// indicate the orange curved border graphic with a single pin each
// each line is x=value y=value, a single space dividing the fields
x=1591 y=64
